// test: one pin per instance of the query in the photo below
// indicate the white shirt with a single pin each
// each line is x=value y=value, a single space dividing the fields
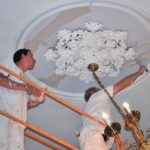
x=89 y=136
x=14 y=101
x=99 y=102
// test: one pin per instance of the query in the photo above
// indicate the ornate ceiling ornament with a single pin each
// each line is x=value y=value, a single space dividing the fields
x=75 y=49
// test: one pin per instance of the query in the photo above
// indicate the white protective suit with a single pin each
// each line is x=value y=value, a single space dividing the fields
x=15 y=103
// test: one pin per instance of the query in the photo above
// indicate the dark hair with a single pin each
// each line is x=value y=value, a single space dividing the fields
x=18 y=54
x=89 y=92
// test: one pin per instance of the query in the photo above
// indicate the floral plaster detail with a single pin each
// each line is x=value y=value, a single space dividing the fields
x=75 y=49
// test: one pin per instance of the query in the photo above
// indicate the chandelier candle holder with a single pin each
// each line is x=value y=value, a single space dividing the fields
x=131 y=121
x=112 y=129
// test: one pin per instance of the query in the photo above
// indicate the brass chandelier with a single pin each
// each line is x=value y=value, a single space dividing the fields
x=131 y=120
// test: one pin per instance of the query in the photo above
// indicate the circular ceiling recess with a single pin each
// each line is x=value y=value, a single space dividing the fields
x=39 y=34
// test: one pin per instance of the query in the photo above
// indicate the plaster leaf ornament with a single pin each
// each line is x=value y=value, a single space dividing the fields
x=75 y=49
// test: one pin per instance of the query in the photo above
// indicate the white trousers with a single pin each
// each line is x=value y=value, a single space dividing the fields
x=91 y=139
x=11 y=135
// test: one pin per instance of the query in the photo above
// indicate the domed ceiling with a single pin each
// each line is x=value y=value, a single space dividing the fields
x=40 y=34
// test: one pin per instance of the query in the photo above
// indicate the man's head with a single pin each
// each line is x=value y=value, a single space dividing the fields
x=24 y=59
x=90 y=91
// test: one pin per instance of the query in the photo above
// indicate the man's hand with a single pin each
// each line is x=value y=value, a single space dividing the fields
x=32 y=104
x=35 y=101
x=33 y=91
x=2 y=76
x=143 y=69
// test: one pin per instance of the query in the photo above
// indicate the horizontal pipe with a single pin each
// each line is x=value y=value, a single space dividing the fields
x=38 y=130
x=30 y=135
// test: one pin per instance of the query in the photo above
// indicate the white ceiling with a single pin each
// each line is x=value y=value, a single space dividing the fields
x=34 y=25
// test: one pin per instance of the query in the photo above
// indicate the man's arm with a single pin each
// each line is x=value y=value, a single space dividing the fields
x=128 y=80
x=10 y=84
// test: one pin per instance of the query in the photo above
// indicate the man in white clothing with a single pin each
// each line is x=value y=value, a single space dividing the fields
x=14 y=95
x=92 y=134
